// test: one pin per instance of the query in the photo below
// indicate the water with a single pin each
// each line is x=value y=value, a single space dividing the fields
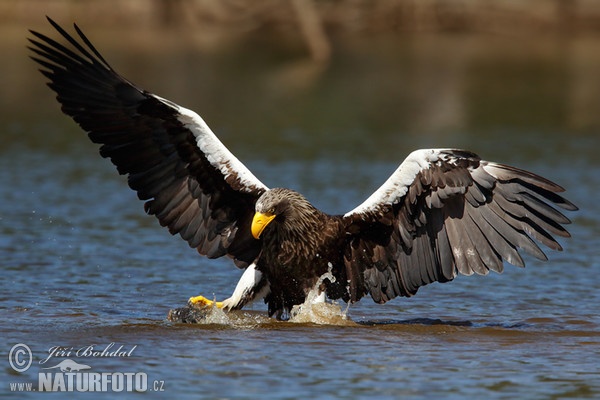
x=82 y=265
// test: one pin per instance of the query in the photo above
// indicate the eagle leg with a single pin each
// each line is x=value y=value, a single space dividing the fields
x=251 y=286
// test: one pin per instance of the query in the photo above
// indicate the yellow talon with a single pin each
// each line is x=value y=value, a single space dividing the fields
x=204 y=302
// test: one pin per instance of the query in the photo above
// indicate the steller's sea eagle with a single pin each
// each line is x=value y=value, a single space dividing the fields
x=443 y=212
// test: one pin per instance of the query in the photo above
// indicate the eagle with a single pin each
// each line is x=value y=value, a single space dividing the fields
x=443 y=212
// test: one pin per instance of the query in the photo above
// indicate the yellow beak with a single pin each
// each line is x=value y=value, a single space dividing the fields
x=260 y=222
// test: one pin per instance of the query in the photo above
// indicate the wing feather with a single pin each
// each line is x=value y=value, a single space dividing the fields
x=189 y=179
x=453 y=213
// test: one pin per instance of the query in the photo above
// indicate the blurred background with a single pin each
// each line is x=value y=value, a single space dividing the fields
x=270 y=67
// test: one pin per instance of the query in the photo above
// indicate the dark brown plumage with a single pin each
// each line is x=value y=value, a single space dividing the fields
x=443 y=212
x=301 y=244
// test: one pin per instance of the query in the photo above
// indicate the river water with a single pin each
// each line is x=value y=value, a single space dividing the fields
x=83 y=269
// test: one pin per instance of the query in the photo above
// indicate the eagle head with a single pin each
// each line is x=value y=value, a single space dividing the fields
x=286 y=208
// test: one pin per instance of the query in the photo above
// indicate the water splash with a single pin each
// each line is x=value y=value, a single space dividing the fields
x=212 y=315
x=235 y=319
x=316 y=309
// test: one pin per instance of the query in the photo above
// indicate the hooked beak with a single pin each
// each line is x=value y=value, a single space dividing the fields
x=260 y=222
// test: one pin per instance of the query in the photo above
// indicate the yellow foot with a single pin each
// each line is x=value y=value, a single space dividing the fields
x=204 y=302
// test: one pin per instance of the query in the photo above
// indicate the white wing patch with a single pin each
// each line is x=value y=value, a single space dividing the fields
x=214 y=150
x=398 y=183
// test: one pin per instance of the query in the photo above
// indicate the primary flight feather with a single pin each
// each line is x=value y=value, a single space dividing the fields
x=443 y=212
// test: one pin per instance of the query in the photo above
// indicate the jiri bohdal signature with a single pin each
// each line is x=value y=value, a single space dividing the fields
x=91 y=351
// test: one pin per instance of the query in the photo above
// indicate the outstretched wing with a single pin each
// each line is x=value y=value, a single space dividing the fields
x=189 y=179
x=445 y=212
